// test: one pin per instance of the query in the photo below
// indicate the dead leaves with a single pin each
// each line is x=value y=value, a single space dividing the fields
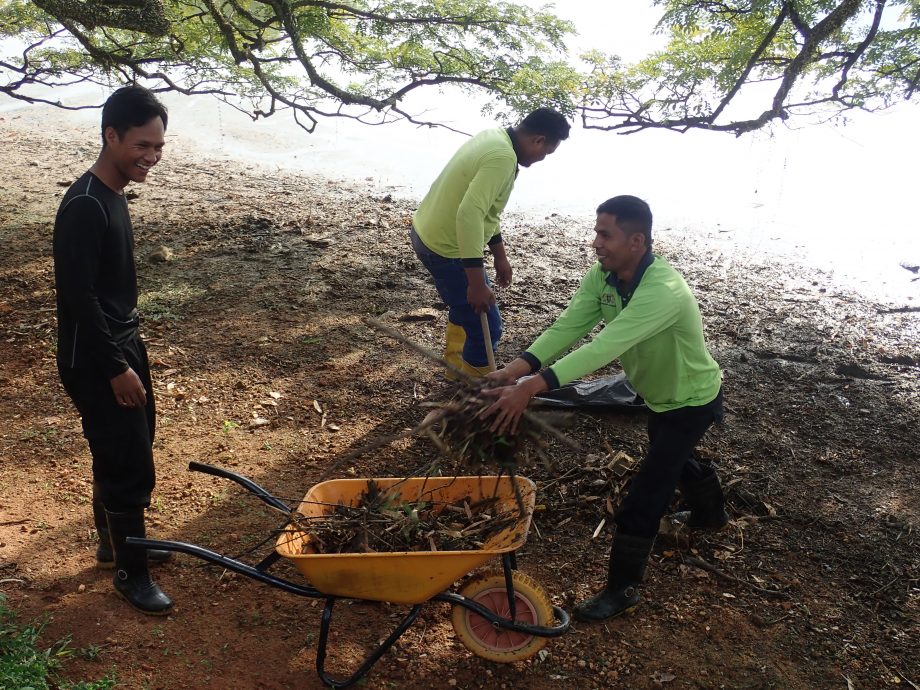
x=383 y=522
x=269 y=404
x=323 y=422
x=660 y=678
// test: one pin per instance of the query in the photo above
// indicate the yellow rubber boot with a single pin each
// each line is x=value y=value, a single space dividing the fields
x=475 y=372
x=453 y=351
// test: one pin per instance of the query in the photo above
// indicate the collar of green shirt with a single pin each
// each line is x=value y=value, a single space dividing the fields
x=515 y=144
x=626 y=291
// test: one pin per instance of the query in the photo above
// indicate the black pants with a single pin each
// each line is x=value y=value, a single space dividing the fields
x=120 y=438
x=670 y=461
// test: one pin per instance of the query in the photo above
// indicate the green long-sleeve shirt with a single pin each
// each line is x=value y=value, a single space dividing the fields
x=460 y=213
x=658 y=337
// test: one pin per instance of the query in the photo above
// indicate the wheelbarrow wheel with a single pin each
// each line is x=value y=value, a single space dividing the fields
x=494 y=643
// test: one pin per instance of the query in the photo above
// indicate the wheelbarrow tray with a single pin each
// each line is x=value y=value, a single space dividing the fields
x=405 y=577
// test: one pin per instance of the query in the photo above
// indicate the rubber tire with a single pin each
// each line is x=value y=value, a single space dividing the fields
x=481 y=637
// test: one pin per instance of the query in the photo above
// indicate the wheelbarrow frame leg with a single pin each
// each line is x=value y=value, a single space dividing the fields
x=370 y=660
x=509 y=564
x=267 y=562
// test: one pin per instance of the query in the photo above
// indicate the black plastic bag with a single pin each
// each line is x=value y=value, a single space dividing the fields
x=608 y=391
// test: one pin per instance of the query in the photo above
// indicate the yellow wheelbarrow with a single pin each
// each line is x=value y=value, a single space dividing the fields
x=500 y=614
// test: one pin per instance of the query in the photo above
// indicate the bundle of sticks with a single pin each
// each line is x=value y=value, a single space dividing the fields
x=457 y=427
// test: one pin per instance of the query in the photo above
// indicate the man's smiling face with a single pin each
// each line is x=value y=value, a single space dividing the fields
x=137 y=151
x=616 y=249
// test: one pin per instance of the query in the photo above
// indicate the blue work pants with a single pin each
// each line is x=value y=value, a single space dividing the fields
x=451 y=284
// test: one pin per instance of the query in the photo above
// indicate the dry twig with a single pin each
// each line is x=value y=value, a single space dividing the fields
x=706 y=565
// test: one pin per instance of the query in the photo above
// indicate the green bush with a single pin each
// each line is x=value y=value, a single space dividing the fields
x=26 y=666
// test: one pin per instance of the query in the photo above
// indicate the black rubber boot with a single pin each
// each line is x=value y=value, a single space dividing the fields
x=105 y=556
x=132 y=577
x=706 y=502
x=628 y=559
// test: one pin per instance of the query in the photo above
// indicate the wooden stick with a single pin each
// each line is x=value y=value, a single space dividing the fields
x=393 y=333
x=599 y=528
x=706 y=565
x=487 y=337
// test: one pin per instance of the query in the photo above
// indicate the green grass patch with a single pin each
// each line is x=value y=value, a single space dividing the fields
x=26 y=665
x=166 y=301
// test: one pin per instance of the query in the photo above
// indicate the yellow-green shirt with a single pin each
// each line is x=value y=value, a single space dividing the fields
x=658 y=337
x=460 y=213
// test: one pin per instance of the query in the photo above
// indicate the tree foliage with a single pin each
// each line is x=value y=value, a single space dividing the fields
x=736 y=65
x=357 y=58
x=729 y=65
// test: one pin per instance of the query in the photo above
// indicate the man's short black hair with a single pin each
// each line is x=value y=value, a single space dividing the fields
x=633 y=215
x=131 y=106
x=548 y=122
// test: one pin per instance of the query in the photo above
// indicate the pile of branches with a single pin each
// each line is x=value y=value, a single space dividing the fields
x=457 y=427
x=383 y=522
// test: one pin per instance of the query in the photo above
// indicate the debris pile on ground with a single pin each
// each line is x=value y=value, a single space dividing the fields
x=592 y=489
x=604 y=477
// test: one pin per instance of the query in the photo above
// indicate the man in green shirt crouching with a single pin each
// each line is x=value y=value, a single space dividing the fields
x=653 y=326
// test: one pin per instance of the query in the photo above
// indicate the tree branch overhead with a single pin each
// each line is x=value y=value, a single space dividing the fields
x=827 y=57
x=327 y=59
x=728 y=66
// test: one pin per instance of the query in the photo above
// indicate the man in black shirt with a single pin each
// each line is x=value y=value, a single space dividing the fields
x=101 y=359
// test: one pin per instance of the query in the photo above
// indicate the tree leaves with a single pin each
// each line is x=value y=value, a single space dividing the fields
x=733 y=66
x=344 y=59
x=738 y=65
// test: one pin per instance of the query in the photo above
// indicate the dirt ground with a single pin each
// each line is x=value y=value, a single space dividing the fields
x=815 y=584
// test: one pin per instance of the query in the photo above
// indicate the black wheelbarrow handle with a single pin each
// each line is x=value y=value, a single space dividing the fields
x=242 y=481
x=228 y=563
x=258 y=574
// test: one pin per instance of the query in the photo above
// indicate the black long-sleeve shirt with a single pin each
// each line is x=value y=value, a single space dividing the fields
x=95 y=277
